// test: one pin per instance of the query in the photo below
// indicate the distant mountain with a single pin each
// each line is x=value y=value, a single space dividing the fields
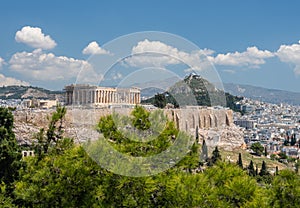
x=150 y=92
x=263 y=94
x=194 y=90
x=24 y=92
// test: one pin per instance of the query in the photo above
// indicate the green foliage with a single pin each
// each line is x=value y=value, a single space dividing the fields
x=240 y=162
x=216 y=156
x=9 y=150
x=204 y=152
x=159 y=133
x=140 y=118
x=266 y=152
x=297 y=165
x=197 y=134
x=282 y=155
x=53 y=136
x=251 y=170
x=263 y=170
x=67 y=177
x=285 y=191
x=257 y=148
x=293 y=140
x=160 y=100
x=232 y=187
x=65 y=180
x=5 y=200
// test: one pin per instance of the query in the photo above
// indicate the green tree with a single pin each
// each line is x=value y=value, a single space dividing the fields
x=257 y=148
x=232 y=187
x=297 y=165
x=293 y=139
x=216 y=156
x=251 y=170
x=160 y=100
x=197 y=134
x=285 y=190
x=53 y=136
x=71 y=179
x=9 y=150
x=282 y=155
x=140 y=118
x=276 y=170
x=204 y=152
x=240 y=162
x=263 y=171
x=266 y=152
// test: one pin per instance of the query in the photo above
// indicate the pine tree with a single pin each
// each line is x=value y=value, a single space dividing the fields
x=240 y=162
x=9 y=150
x=263 y=170
x=251 y=170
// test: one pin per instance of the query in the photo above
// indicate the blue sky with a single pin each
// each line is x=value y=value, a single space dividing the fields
x=269 y=29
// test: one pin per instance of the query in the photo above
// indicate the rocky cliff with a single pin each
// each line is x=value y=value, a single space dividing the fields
x=213 y=125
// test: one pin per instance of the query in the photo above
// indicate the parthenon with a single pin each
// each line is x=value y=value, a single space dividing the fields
x=80 y=94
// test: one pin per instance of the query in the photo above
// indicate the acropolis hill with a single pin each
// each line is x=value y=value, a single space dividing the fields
x=215 y=125
x=86 y=104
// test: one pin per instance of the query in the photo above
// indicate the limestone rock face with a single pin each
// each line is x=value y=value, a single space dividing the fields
x=214 y=125
x=27 y=123
x=228 y=138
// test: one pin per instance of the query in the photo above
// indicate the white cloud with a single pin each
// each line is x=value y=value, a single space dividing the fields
x=229 y=71
x=34 y=37
x=7 y=81
x=158 y=54
x=46 y=66
x=290 y=54
x=252 y=57
x=94 y=48
x=2 y=62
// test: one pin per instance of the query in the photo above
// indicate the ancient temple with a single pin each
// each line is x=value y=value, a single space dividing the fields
x=80 y=94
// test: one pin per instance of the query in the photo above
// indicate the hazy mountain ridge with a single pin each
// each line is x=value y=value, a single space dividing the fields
x=23 y=92
x=263 y=94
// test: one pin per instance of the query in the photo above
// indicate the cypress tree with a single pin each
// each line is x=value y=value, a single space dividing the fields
x=293 y=140
x=240 y=162
x=256 y=170
x=276 y=170
x=263 y=170
x=266 y=151
x=204 y=152
x=216 y=155
x=197 y=134
x=251 y=170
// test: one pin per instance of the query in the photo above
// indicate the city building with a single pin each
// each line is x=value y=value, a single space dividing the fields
x=39 y=103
